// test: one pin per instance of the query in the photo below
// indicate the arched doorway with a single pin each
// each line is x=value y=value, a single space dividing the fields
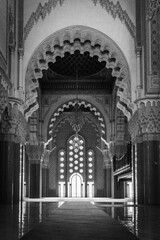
x=76 y=186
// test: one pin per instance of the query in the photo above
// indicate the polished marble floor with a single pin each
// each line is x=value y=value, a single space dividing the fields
x=17 y=220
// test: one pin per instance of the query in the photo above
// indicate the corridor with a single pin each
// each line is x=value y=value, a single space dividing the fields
x=79 y=220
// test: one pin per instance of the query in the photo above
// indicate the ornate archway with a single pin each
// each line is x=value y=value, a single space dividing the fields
x=84 y=40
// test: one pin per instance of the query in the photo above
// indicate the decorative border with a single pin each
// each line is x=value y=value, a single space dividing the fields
x=93 y=109
x=41 y=12
x=116 y=10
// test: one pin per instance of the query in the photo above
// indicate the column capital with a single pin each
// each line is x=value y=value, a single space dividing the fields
x=35 y=152
x=146 y=120
x=13 y=123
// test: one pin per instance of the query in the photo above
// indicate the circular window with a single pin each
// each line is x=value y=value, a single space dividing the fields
x=71 y=141
x=62 y=176
x=90 y=176
x=62 y=171
x=81 y=141
x=81 y=164
x=76 y=156
x=62 y=159
x=71 y=159
x=81 y=153
x=81 y=147
x=90 y=164
x=90 y=159
x=90 y=170
x=81 y=170
x=71 y=147
x=81 y=159
x=76 y=162
x=61 y=153
x=71 y=170
x=90 y=153
x=70 y=153
x=71 y=164
x=62 y=165
x=76 y=168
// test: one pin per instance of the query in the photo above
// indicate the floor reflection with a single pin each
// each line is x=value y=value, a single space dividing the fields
x=143 y=221
x=17 y=220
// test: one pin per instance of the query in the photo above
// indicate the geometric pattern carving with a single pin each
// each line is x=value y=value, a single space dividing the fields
x=146 y=120
x=13 y=123
x=153 y=81
x=90 y=40
x=116 y=11
x=153 y=8
x=41 y=12
x=92 y=109
x=4 y=89
x=149 y=118
x=35 y=152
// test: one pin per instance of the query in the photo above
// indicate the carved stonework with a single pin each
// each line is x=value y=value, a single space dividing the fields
x=92 y=109
x=5 y=85
x=117 y=11
x=45 y=53
x=13 y=125
x=146 y=120
x=153 y=38
x=134 y=127
x=45 y=158
x=35 y=151
x=153 y=84
x=153 y=7
x=11 y=29
x=41 y=12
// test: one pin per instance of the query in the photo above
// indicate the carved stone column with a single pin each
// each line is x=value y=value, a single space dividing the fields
x=34 y=181
x=12 y=135
x=145 y=133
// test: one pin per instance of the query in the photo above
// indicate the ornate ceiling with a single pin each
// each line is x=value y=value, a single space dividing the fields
x=79 y=71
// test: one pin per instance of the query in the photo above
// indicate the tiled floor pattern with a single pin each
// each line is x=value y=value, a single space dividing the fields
x=79 y=221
